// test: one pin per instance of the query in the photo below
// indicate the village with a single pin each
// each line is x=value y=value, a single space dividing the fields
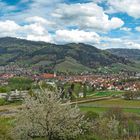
x=97 y=82
x=121 y=81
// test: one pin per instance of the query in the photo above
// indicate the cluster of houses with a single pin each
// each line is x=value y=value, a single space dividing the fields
x=97 y=81
x=15 y=69
x=4 y=78
x=102 y=82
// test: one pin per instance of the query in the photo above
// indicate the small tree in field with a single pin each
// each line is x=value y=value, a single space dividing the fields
x=44 y=115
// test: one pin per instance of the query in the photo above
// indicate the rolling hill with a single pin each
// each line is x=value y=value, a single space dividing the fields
x=133 y=54
x=130 y=54
x=69 y=57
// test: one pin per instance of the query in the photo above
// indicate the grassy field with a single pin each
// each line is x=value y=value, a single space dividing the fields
x=105 y=93
x=71 y=65
x=103 y=109
x=3 y=102
x=97 y=106
x=101 y=106
x=5 y=125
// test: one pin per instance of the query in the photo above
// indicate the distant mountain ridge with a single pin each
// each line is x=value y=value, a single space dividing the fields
x=132 y=54
x=73 y=57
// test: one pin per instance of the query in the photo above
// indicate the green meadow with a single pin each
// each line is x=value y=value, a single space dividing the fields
x=131 y=106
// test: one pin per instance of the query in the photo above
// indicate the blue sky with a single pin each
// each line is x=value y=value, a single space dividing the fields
x=102 y=23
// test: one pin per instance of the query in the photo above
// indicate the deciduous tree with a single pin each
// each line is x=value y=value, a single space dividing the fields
x=44 y=115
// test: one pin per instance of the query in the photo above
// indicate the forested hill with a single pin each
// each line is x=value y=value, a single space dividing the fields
x=60 y=57
x=133 y=54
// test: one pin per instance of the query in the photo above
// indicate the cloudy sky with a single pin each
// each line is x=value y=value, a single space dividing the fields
x=102 y=23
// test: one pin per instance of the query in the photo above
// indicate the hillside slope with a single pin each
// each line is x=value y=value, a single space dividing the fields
x=48 y=56
x=133 y=54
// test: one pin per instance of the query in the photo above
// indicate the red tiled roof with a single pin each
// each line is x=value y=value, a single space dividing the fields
x=48 y=76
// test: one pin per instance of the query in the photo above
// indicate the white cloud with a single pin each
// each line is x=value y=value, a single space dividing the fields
x=27 y=8
x=86 y=16
x=76 y=36
x=37 y=19
x=46 y=38
x=138 y=28
x=35 y=28
x=132 y=44
x=119 y=43
x=125 y=29
x=32 y=30
x=8 y=26
x=131 y=7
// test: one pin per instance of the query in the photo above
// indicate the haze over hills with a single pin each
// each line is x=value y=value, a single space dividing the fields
x=70 y=57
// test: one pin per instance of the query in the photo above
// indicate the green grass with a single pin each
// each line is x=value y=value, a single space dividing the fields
x=71 y=65
x=115 y=102
x=130 y=110
x=103 y=109
x=4 y=102
x=5 y=125
x=130 y=106
x=106 y=93
x=19 y=83
x=93 y=109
